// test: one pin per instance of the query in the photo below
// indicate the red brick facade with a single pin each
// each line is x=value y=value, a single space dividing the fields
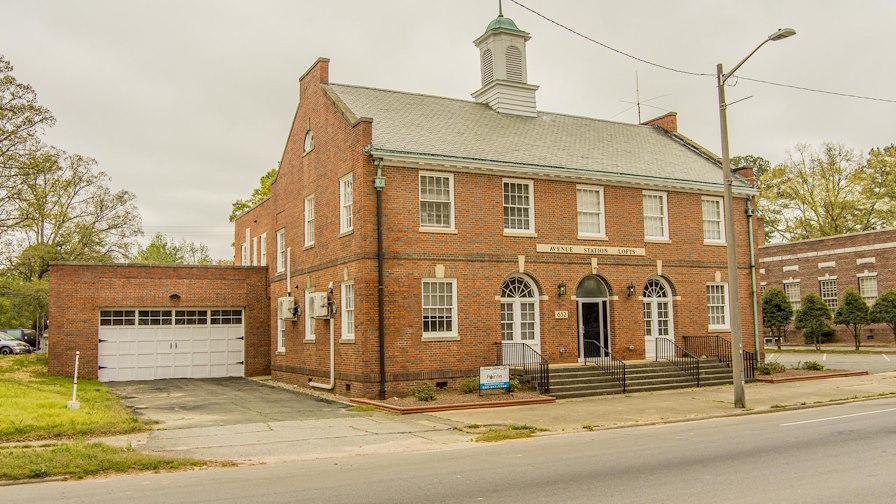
x=840 y=260
x=476 y=253
x=79 y=291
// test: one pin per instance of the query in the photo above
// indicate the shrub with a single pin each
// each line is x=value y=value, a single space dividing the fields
x=469 y=385
x=514 y=384
x=812 y=365
x=771 y=368
x=424 y=391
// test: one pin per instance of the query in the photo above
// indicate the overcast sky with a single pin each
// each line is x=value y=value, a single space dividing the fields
x=187 y=103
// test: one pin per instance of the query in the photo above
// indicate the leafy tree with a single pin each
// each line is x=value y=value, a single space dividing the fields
x=21 y=302
x=259 y=194
x=829 y=190
x=853 y=312
x=884 y=311
x=813 y=319
x=164 y=250
x=776 y=313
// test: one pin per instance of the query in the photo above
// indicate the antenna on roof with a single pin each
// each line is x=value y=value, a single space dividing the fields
x=638 y=96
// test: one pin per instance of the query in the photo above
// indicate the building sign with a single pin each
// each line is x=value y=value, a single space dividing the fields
x=494 y=377
x=561 y=314
x=589 y=250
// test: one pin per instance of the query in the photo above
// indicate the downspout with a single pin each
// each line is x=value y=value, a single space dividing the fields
x=753 y=281
x=332 y=320
x=379 y=182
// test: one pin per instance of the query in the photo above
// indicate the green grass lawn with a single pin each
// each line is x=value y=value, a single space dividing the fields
x=33 y=407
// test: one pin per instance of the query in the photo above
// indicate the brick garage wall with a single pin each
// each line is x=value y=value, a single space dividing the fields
x=875 y=250
x=79 y=291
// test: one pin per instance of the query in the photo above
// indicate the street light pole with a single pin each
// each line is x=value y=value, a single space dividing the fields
x=737 y=344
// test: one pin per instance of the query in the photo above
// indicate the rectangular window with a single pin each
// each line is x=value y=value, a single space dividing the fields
x=713 y=222
x=309 y=322
x=439 y=308
x=226 y=317
x=717 y=302
x=519 y=211
x=655 y=216
x=590 y=204
x=309 y=221
x=190 y=317
x=263 y=253
x=348 y=311
x=868 y=289
x=255 y=251
x=281 y=335
x=244 y=254
x=346 y=197
x=281 y=250
x=154 y=317
x=436 y=201
x=829 y=292
x=117 y=318
x=792 y=289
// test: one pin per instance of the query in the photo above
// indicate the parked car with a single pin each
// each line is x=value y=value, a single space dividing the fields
x=11 y=345
x=27 y=335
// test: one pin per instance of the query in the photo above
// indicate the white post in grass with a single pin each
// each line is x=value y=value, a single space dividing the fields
x=73 y=404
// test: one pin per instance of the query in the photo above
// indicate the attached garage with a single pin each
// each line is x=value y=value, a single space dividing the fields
x=152 y=344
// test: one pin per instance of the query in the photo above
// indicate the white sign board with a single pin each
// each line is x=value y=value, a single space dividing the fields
x=494 y=377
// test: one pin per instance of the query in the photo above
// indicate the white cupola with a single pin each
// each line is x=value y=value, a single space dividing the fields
x=502 y=55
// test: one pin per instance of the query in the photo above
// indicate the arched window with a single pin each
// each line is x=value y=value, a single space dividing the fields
x=488 y=71
x=514 y=58
x=591 y=287
x=519 y=311
x=309 y=140
x=657 y=314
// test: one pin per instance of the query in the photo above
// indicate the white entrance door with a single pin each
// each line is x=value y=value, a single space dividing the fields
x=657 y=315
x=159 y=344
x=519 y=312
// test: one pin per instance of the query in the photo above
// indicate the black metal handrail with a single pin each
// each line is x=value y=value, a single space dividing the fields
x=709 y=346
x=609 y=364
x=679 y=357
x=523 y=356
x=749 y=366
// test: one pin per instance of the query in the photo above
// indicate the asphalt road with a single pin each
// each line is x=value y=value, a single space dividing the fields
x=871 y=362
x=843 y=454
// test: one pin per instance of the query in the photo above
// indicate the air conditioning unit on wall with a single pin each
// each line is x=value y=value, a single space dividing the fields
x=318 y=306
x=286 y=308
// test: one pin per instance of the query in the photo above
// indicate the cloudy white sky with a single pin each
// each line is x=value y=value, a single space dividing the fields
x=188 y=102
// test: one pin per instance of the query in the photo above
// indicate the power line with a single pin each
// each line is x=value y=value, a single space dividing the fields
x=697 y=74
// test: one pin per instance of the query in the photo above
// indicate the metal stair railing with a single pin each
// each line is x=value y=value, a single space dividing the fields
x=666 y=349
x=532 y=363
x=609 y=364
x=717 y=346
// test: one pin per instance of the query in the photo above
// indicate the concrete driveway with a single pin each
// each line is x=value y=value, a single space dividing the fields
x=245 y=420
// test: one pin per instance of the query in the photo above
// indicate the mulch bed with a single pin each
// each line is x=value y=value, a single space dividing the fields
x=792 y=375
x=451 y=400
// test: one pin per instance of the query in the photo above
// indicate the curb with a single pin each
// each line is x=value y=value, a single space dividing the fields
x=33 y=480
x=405 y=410
x=822 y=376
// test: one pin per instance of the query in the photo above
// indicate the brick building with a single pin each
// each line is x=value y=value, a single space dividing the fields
x=828 y=266
x=438 y=231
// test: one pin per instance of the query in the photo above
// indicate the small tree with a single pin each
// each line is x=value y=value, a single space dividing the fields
x=813 y=319
x=884 y=311
x=776 y=313
x=853 y=312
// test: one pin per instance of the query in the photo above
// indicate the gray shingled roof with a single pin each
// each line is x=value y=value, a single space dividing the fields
x=458 y=129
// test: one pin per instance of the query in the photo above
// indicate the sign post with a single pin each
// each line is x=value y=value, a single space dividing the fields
x=74 y=404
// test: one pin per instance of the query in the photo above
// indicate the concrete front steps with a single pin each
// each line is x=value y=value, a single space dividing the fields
x=640 y=376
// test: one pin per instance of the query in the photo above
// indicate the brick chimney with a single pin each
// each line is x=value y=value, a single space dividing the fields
x=318 y=73
x=668 y=122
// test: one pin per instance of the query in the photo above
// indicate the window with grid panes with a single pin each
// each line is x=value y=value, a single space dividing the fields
x=226 y=317
x=868 y=289
x=281 y=250
x=518 y=206
x=655 y=220
x=117 y=318
x=436 y=201
x=713 y=224
x=281 y=335
x=590 y=205
x=309 y=221
x=154 y=317
x=829 y=292
x=190 y=317
x=346 y=198
x=348 y=311
x=717 y=304
x=439 y=308
x=792 y=289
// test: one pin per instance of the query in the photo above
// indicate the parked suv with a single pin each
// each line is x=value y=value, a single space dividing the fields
x=11 y=345
x=27 y=335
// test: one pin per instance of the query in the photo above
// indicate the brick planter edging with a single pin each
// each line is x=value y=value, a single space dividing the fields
x=405 y=410
x=837 y=374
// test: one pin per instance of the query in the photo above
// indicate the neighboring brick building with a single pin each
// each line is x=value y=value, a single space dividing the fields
x=828 y=266
x=133 y=322
x=499 y=223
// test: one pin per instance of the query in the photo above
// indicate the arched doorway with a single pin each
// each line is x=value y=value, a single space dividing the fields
x=519 y=312
x=657 y=314
x=593 y=303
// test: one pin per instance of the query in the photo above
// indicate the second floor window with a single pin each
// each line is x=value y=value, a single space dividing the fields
x=281 y=250
x=713 y=225
x=436 y=201
x=309 y=220
x=346 y=197
x=590 y=202
x=518 y=206
x=656 y=224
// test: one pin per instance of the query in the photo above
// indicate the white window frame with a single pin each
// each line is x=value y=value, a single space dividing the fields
x=281 y=250
x=530 y=230
x=825 y=290
x=309 y=321
x=255 y=251
x=439 y=334
x=281 y=335
x=601 y=214
x=725 y=305
x=309 y=220
x=244 y=254
x=346 y=204
x=865 y=293
x=263 y=251
x=421 y=201
x=720 y=222
x=795 y=302
x=347 y=299
x=664 y=216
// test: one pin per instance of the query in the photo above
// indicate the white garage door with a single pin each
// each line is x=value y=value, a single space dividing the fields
x=153 y=344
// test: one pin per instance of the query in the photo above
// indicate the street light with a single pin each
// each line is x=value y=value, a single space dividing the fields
x=737 y=345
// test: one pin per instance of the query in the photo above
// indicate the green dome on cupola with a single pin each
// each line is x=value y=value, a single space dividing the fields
x=502 y=22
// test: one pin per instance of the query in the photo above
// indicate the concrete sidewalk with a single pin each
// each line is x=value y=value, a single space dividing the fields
x=678 y=405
